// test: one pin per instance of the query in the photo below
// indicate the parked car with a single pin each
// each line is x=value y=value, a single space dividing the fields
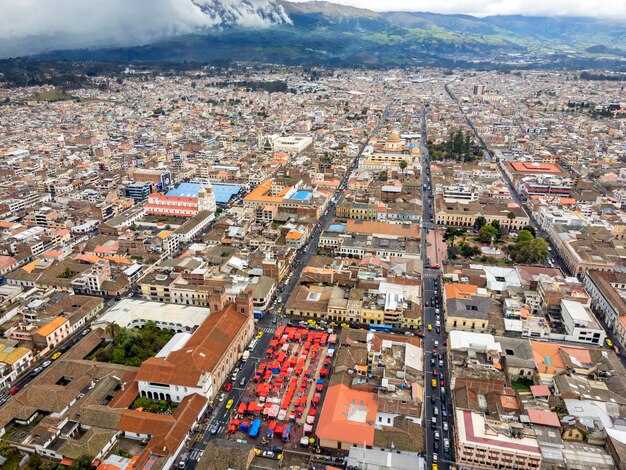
x=46 y=364
x=229 y=404
x=56 y=355
x=36 y=371
x=228 y=387
x=242 y=382
x=215 y=428
x=445 y=426
x=14 y=390
x=221 y=397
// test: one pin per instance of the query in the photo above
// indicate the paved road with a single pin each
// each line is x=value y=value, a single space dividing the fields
x=437 y=398
x=220 y=415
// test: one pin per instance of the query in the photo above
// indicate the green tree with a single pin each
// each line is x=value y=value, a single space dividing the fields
x=480 y=222
x=531 y=229
x=84 y=462
x=511 y=215
x=451 y=233
x=403 y=165
x=487 y=233
x=111 y=330
x=495 y=224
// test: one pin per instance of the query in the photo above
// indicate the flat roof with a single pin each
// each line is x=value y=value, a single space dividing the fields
x=128 y=310
x=471 y=429
x=223 y=192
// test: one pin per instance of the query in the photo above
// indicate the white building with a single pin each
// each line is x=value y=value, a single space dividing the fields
x=580 y=324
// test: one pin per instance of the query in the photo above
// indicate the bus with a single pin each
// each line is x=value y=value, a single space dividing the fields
x=258 y=314
x=383 y=328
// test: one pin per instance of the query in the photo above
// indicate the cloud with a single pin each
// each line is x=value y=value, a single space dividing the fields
x=31 y=26
x=588 y=8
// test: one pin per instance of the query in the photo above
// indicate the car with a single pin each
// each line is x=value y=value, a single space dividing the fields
x=280 y=309
x=443 y=391
x=229 y=387
x=46 y=364
x=259 y=335
x=229 y=404
x=14 y=390
x=436 y=446
x=215 y=428
x=435 y=372
x=434 y=466
x=65 y=348
x=446 y=444
x=242 y=382
x=268 y=454
x=430 y=327
x=85 y=331
x=426 y=303
x=277 y=449
x=434 y=266
x=56 y=355
x=344 y=325
x=274 y=321
x=435 y=457
x=433 y=399
x=221 y=397
x=435 y=411
x=442 y=382
x=432 y=361
x=445 y=426
x=437 y=435
x=36 y=371
x=609 y=343
x=433 y=383
x=436 y=343
x=437 y=323
x=440 y=362
x=437 y=330
x=433 y=422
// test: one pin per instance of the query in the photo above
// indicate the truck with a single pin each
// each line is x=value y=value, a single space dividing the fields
x=246 y=355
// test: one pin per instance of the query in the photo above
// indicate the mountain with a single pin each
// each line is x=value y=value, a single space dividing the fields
x=324 y=33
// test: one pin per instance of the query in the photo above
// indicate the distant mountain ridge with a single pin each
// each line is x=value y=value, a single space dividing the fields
x=325 y=33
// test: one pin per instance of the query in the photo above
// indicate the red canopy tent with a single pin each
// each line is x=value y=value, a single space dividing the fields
x=312 y=411
x=242 y=408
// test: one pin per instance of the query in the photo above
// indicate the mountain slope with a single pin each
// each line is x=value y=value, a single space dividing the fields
x=320 y=32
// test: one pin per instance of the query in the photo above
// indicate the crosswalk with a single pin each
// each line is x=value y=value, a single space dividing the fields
x=268 y=329
x=196 y=454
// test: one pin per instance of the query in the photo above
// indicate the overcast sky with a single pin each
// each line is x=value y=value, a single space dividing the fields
x=595 y=8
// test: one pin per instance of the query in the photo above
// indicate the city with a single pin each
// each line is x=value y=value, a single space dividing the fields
x=298 y=267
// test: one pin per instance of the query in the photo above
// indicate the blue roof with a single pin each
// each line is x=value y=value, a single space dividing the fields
x=223 y=192
x=186 y=190
x=336 y=228
x=301 y=195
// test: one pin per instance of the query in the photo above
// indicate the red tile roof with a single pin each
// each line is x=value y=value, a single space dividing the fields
x=201 y=353
x=547 y=418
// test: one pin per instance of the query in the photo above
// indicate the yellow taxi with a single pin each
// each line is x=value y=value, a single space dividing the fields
x=56 y=355
x=345 y=325
x=433 y=383
x=229 y=404
x=259 y=335
x=609 y=343
x=332 y=324
x=435 y=467
x=280 y=309
x=430 y=327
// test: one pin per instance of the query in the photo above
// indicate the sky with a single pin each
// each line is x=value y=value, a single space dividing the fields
x=593 y=8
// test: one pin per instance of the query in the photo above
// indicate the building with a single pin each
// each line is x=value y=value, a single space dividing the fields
x=185 y=201
x=347 y=419
x=13 y=361
x=199 y=362
x=51 y=334
x=483 y=444
x=138 y=191
x=580 y=324
x=608 y=296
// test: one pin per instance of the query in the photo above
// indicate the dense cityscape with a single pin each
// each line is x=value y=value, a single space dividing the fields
x=295 y=267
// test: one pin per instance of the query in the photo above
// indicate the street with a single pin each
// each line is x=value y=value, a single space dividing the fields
x=437 y=403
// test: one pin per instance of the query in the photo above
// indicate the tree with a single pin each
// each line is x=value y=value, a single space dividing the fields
x=511 y=215
x=480 y=222
x=496 y=224
x=487 y=234
x=84 y=462
x=403 y=165
x=531 y=229
x=111 y=329
x=451 y=233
